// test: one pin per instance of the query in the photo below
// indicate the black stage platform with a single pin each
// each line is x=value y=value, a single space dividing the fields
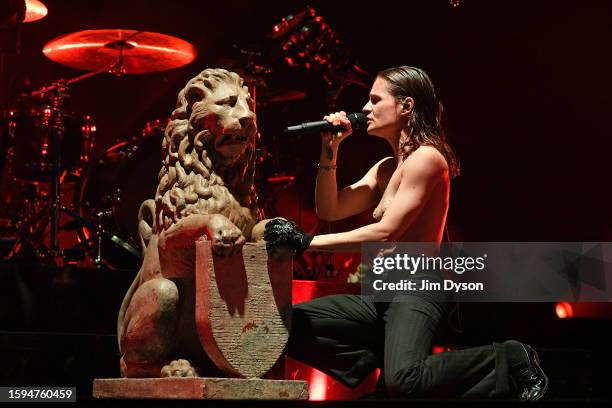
x=57 y=328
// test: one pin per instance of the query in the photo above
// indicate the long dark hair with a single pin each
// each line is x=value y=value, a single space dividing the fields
x=425 y=121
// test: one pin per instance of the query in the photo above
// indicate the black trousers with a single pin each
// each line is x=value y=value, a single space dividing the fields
x=348 y=337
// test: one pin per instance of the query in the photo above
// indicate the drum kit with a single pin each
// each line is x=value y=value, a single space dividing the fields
x=60 y=202
x=64 y=203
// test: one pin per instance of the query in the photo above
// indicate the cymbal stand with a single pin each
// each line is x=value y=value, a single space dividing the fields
x=99 y=233
x=60 y=89
x=55 y=123
x=57 y=133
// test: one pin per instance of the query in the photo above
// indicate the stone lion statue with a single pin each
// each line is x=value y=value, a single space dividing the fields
x=205 y=189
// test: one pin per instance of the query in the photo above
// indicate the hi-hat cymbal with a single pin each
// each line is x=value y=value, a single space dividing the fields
x=136 y=52
x=35 y=10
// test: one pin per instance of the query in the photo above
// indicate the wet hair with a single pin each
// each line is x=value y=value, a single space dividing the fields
x=425 y=121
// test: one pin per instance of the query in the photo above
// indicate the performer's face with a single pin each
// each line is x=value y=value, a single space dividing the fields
x=383 y=110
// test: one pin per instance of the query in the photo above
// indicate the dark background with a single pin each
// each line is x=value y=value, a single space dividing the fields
x=525 y=87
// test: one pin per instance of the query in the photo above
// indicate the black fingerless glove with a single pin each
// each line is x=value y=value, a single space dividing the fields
x=279 y=233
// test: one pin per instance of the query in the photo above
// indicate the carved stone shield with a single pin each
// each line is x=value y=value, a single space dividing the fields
x=243 y=308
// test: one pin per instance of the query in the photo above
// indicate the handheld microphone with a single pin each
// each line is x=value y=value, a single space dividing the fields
x=358 y=121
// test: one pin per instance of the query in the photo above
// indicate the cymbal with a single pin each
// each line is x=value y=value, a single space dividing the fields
x=136 y=52
x=35 y=10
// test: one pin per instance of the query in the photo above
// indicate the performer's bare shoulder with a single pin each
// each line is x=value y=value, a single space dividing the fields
x=416 y=196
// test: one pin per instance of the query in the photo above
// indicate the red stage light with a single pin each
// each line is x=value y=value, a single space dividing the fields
x=348 y=263
x=584 y=310
x=35 y=10
x=317 y=386
x=324 y=388
x=564 y=310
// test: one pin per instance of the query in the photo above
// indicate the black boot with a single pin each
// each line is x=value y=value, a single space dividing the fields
x=526 y=372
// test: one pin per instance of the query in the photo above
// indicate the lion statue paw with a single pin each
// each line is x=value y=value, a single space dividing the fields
x=179 y=368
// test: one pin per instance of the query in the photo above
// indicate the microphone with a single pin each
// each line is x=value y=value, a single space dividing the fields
x=358 y=121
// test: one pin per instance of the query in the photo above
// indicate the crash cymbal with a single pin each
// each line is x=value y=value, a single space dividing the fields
x=136 y=52
x=35 y=10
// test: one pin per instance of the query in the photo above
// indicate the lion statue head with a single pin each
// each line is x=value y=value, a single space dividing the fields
x=209 y=153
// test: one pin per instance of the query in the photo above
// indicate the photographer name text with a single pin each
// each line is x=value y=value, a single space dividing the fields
x=426 y=285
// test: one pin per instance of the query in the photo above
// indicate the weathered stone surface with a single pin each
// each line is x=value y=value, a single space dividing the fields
x=243 y=308
x=199 y=388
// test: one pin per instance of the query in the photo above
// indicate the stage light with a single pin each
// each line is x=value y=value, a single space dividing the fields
x=317 y=386
x=584 y=310
x=35 y=10
x=564 y=310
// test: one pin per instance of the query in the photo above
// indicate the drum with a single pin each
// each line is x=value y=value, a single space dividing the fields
x=30 y=135
x=114 y=186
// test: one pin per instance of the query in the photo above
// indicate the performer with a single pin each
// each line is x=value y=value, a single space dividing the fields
x=347 y=336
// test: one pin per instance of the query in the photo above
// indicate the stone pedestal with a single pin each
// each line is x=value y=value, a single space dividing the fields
x=199 y=388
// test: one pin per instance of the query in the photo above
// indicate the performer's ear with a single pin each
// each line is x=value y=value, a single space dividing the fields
x=407 y=105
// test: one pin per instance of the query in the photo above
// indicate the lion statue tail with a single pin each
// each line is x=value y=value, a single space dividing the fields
x=146 y=226
x=146 y=223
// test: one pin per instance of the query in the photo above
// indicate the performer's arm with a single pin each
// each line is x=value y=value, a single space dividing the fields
x=419 y=175
x=331 y=204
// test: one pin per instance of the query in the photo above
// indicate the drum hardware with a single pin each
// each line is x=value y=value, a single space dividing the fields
x=53 y=121
x=307 y=40
x=117 y=52
x=111 y=190
x=251 y=65
x=100 y=232
x=99 y=217
x=32 y=229
x=56 y=131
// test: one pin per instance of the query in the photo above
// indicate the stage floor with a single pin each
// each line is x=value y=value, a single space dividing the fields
x=57 y=328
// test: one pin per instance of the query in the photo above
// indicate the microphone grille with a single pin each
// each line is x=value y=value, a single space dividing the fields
x=358 y=120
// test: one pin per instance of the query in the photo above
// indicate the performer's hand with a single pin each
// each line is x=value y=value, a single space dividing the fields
x=280 y=233
x=334 y=138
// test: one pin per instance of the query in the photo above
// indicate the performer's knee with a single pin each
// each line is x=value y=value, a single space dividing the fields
x=404 y=381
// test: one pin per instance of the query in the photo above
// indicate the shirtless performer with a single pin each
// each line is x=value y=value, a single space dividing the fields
x=347 y=336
